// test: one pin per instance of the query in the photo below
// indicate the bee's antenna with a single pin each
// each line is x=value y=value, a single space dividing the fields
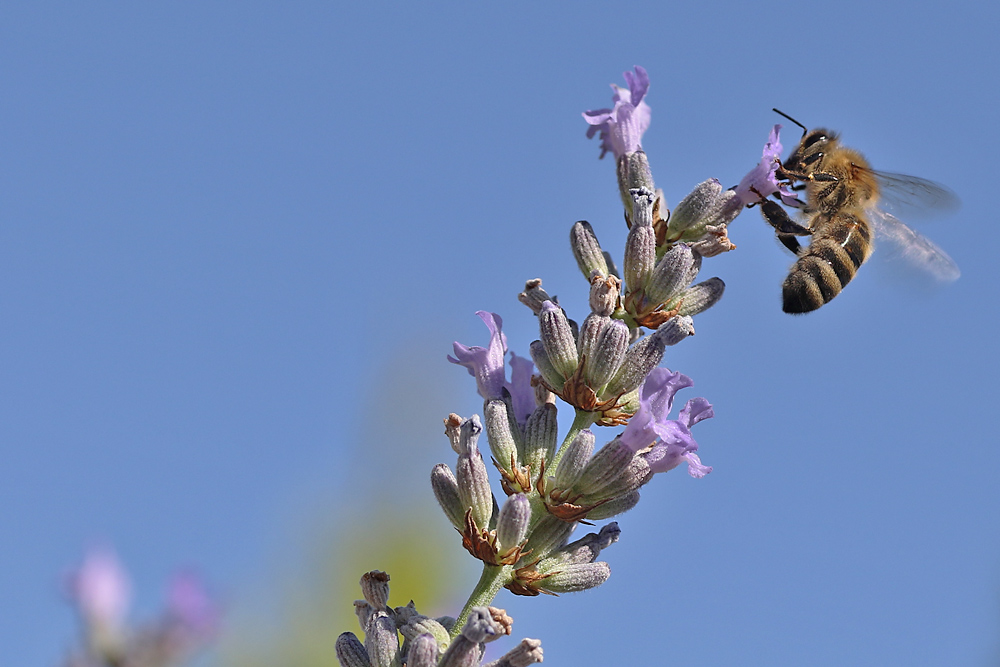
x=782 y=113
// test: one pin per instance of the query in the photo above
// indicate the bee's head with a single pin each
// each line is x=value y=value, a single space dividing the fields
x=808 y=155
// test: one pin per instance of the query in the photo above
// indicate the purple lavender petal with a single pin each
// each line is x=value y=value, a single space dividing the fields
x=621 y=128
x=763 y=177
x=655 y=402
x=191 y=608
x=696 y=410
x=638 y=84
x=485 y=363
x=100 y=588
x=521 y=392
x=695 y=467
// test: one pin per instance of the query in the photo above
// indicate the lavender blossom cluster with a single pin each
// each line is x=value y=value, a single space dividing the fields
x=607 y=370
x=101 y=592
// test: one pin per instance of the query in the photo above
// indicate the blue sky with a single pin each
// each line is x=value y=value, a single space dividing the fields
x=229 y=231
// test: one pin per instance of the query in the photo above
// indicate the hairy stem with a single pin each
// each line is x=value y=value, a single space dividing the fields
x=492 y=580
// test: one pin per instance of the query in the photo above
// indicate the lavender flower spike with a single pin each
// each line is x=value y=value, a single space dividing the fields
x=671 y=439
x=621 y=127
x=762 y=181
x=101 y=590
x=485 y=363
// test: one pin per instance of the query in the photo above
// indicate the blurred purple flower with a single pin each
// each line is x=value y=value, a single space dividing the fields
x=671 y=439
x=485 y=363
x=190 y=609
x=100 y=589
x=521 y=392
x=621 y=127
x=762 y=181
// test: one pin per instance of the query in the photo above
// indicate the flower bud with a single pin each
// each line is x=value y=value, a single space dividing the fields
x=512 y=526
x=675 y=271
x=422 y=625
x=446 y=491
x=605 y=292
x=586 y=249
x=574 y=578
x=607 y=464
x=695 y=207
x=541 y=433
x=471 y=475
x=633 y=173
x=375 y=588
x=640 y=246
x=608 y=355
x=382 y=640
x=528 y=652
x=500 y=432
x=584 y=550
x=549 y=374
x=548 y=534
x=558 y=339
x=533 y=295
x=614 y=507
x=574 y=460
x=701 y=297
x=423 y=651
x=351 y=652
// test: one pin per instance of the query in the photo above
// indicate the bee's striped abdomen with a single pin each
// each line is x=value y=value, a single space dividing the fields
x=840 y=245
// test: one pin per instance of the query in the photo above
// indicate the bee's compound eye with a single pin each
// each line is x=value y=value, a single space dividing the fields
x=815 y=138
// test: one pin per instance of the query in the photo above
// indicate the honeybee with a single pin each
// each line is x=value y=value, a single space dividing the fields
x=839 y=214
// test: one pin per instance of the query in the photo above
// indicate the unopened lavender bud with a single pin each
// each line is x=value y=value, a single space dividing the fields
x=481 y=626
x=461 y=653
x=500 y=433
x=533 y=295
x=575 y=578
x=607 y=464
x=640 y=245
x=375 y=588
x=614 y=507
x=634 y=476
x=590 y=335
x=586 y=249
x=548 y=534
x=633 y=172
x=512 y=526
x=701 y=297
x=674 y=330
x=584 y=550
x=423 y=651
x=605 y=291
x=364 y=612
x=541 y=433
x=574 y=460
x=445 y=488
x=695 y=208
x=558 y=339
x=528 y=652
x=471 y=475
x=674 y=272
x=608 y=356
x=641 y=358
x=548 y=372
x=424 y=626
x=382 y=640
x=351 y=652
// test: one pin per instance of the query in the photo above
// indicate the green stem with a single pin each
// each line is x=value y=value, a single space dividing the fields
x=493 y=579
x=582 y=420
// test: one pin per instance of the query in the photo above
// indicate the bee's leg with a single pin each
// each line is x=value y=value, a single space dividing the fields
x=791 y=243
x=778 y=218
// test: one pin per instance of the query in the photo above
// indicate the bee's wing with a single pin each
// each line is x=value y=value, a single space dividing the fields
x=915 y=249
x=914 y=195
